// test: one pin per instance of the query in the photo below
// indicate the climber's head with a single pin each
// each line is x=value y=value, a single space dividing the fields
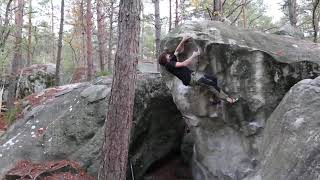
x=165 y=57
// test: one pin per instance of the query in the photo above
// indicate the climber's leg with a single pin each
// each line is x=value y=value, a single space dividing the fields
x=211 y=83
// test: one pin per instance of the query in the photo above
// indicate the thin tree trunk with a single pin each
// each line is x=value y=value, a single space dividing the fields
x=101 y=34
x=120 y=109
x=89 y=41
x=315 y=20
x=83 y=34
x=110 y=36
x=17 y=59
x=244 y=16
x=217 y=10
x=17 y=56
x=5 y=31
x=157 y=29
x=30 y=35
x=292 y=7
x=52 y=31
x=177 y=15
x=141 y=51
x=170 y=16
x=59 y=45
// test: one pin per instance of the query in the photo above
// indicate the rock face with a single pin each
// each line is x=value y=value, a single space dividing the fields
x=291 y=142
x=32 y=79
x=259 y=69
x=67 y=123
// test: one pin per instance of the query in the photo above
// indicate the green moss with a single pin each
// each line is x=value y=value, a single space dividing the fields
x=103 y=73
x=12 y=115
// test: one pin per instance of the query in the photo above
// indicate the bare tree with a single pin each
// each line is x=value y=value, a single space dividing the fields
x=5 y=31
x=101 y=33
x=120 y=109
x=17 y=56
x=170 y=15
x=30 y=35
x=141 y=51
x=244 y=16
x=89 y=41
x=315 y=19
x=57 y=75
x=157 y=26
x=52 y=32
x=217 y=10
x=176 y=22
x=83 y=35
x=292 y=10
x=111 y=10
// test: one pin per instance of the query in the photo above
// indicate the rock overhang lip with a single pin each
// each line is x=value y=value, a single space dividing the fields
x=282 y=49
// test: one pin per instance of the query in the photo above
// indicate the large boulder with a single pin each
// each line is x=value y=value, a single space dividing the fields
x=290 y=148
x=67 y=122
x=256 y=67
x=31 y=79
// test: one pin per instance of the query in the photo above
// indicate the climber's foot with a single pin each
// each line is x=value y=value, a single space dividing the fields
x=231 y=100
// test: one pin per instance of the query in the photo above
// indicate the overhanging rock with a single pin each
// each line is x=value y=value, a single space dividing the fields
x=256 y=67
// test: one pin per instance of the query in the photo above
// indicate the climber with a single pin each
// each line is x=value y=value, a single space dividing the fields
x=186 y=75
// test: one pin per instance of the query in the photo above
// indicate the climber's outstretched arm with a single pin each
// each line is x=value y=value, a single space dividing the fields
x=180 y=47
x=188 y=61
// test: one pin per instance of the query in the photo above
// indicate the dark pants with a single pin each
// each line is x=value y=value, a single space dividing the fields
x=210 y=81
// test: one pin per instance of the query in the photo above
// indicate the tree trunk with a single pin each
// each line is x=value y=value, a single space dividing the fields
x=52 y=31
x=83 y=35
x=244 y=15
x=170 y=16
x=5 y=30
x=30 y=35
x=17 y=56
x=177 y=15
x=157 y=28
x=217 y=10
x=59 y=45
x=292 y=7
x=101 y=34
x=110 y=36
x=141 y=51
x=89 y=41
x=120 y=109
x=315 y=20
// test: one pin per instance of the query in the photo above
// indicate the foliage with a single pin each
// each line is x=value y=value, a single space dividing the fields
x=103 y=73
x=12 y=114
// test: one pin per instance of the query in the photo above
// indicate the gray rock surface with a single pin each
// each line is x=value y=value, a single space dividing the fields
x=290 y=148
x=289 y=30
x=69 y=125
x=259 y=69
x=32 y=79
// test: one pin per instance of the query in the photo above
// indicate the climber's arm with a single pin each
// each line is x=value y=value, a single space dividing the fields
x=180 y=47
x=188 y=61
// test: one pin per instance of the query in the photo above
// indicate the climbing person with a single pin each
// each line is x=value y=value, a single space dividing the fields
x=186 y=75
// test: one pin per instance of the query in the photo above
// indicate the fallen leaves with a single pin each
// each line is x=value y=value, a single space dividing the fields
x=53 y=170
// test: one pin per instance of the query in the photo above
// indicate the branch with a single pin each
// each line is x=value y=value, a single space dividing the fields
x=303 y=23
x=224 y=2
x=254 y=19
x=4 y=35
x=235 y=9
x=314 y=19
x=237 y=17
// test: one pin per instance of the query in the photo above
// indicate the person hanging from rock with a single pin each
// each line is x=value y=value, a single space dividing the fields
x=189 y=77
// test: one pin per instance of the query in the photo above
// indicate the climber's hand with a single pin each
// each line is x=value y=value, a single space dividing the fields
x=186 y=38
x=196 y=53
